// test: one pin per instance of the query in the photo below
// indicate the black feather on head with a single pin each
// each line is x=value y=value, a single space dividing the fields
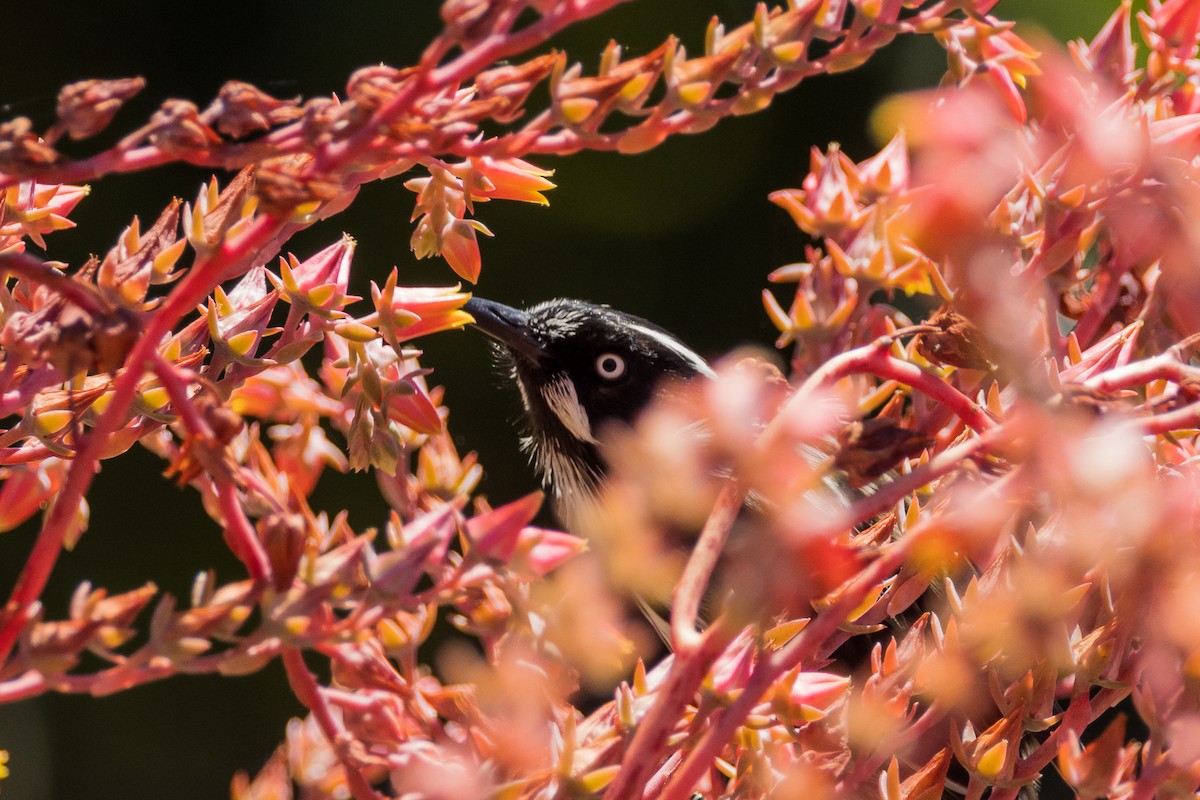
x=580 y=367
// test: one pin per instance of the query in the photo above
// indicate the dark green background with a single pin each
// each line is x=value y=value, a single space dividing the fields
x=683 y=235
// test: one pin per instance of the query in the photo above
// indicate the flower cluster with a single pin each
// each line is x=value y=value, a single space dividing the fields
x=930 y=557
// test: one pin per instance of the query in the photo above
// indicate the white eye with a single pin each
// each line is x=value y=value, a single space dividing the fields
x=610 y=366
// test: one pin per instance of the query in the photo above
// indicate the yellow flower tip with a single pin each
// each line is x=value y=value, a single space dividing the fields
x=634 y=87
x=1073 y=198
x=992 y=761
x=725 y=768
x=597 y=779
x=172 y=350
x=640 y=684
x=132 y=236
x=131 y=291
x=224 y=307
x=111 y=637
x=804 y=317
x=779 y=318
x=392 y=636
x=811 y=714
x=101 y=403
x=751 y=102
x=302 y=210
x=782 y=634
x=1074 y=354
x=870 y=8
x=868 y=601
x=789 y=52
x=355 y=331
x=51 y=422
x=695 y=93
x=321 y=295
x=242 y=343
x=164 y=261
x=576 y=110
x=155 y=397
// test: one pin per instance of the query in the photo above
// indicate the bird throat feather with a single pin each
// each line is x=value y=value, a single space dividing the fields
x=560 y=443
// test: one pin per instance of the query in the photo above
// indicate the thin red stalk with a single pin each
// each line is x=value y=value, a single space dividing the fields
x=309 y=693
x=768 y=670
x=1179 y=419
x=36 y=271
x=888 y=494
x=30 y=683
x=123 y=675
x=180 y=402
x=1165 y=366
x=875 y=359
x=646 y=745
x=498 y=45
x=33 y=382
x=194 y=287
x=685 y=609
x=645 y=749
x=1081 y=712
x=240 y=534
x=109 y=162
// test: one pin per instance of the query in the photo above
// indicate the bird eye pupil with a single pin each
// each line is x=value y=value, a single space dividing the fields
x=610 y=366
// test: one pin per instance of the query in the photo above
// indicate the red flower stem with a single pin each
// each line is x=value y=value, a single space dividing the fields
x=500 y=44
x=700 y=565
x=1081 y=712
x=874 y=359
x=14 y=400
x=30 y=683
x=1165 y=366
x=652 y=733
x=309 y=693
x=1179 y=419
x=177 y=387
x=240 y=535
x=888 y=494
x=196 y=285
x=1088 y=326
x=680 y=686
x=37 y=271
x=768 y=670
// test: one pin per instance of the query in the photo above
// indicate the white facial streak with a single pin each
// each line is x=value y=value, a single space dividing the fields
x=559 y=394
x=678 y=348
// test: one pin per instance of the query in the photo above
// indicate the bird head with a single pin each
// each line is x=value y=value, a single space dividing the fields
x=580 y=367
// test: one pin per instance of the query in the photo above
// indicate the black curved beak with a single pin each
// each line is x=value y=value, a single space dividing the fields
x=507 y=325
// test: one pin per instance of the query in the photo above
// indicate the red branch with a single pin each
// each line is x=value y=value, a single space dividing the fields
x=198 y=283
x=309 y=693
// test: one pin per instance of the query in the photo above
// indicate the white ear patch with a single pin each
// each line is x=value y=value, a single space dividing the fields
x=559 y=394
x=677 y=347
